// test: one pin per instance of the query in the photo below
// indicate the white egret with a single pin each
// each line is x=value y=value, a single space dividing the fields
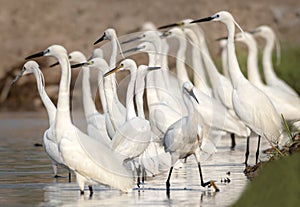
x=96 y=125
x=115 y=108
x=162 y=112
x=49 y=138
x=270 y=76
x=134 y=136
x=182 y=138
x=251 y=105
x=209 y=107
x=284 y=102
x=87 y=157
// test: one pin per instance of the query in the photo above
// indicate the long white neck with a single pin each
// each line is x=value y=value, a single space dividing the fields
x=63 y=104
x=224 y=62
x=180 y=60
x=139 y=92
x=88 y=102
x=112 y=63
x=252 y=64
x=101 y=92
x=233 y=65
x=198 y=67
x=152 y=95
x=267 y=61
x=192 y=114
x=130 y=111
x=50 y=107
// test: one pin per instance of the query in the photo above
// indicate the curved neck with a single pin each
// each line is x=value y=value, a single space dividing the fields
x=233 y=65
x=192 y=115
x=63 y=104
x=252 y=64
x=152 y=96
x=180 y=60
x=88 y=102
x=130 y=111
x=267 y=61
x=50 y=107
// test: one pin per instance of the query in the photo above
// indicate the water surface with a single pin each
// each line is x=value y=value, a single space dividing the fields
x=26 y=176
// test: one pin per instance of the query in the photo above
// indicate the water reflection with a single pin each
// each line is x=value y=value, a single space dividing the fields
x=26 y=174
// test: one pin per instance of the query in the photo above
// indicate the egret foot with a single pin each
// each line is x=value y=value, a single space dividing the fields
x=212 y=183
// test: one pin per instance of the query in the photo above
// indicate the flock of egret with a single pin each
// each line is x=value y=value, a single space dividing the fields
x=184 y=119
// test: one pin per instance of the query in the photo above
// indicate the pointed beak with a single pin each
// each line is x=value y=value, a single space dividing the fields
x=206 y=19
x=170 y=25
x=17 y=77
x=39 y=54
x=192 y=94
x=165 y=34
x=151 y=68
x=132 y=40
x=221 y=38
x=253 y=31
x=54 y=64
x=100 y=39
x=116 y=69
x=131 y=50
x=78 y=65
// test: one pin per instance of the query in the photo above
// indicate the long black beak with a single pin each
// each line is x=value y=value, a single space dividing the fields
x=54 y=64
x=131 y=50
x=168 y=25
x=205 y=19
x=221 y=38
x=151 y=68
x=78 y=65
x=192 y=94
x=100 y=39
x=132 y=40
x=39 y=54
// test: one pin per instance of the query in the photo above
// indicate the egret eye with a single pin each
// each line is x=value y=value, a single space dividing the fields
x=70 y=57
x=143 y=35
x=217 y=16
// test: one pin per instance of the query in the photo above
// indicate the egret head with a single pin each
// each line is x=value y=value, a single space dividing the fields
x=108 y=34
x=127 y=64
x=188 y=89
x=263 y=31
x=53 y=50
x=174 y=32
x=95 y=63
x=77 y=57
x=28 y=68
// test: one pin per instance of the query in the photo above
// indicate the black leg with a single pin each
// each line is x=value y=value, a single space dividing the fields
x=91 y=191
x=168 y=180
x=204 y=184
x=138 y=172
x=81 y=192
x=168 y=183
x=70 y=176
x=257 y=151
x=247 y=151
x=232 y=141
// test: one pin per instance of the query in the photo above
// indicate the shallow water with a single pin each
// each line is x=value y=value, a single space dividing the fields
x=26 y=174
